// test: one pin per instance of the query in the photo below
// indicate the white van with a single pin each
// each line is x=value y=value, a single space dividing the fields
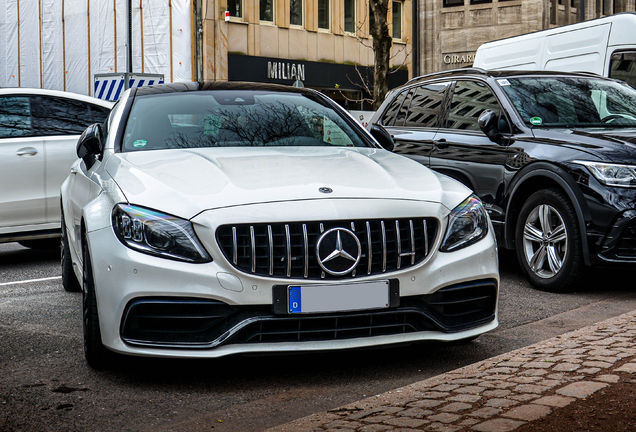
x=604 y=46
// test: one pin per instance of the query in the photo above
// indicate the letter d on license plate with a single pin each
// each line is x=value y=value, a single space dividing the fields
x=338 y=297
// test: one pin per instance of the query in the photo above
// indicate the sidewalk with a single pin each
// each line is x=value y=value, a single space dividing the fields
x=499 y=394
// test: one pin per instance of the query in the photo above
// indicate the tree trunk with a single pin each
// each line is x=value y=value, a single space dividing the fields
x=382 y=50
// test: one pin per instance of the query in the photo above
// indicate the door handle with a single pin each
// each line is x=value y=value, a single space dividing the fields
x=74 y=170
x=27 y=151
x=441 y=144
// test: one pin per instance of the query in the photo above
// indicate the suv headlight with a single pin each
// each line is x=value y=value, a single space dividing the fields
x=158 y=234
x=612 y=174
x=467 y=225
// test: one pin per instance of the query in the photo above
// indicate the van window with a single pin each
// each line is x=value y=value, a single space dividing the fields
x=470 y=99
x=623 y=67
x=426 y=105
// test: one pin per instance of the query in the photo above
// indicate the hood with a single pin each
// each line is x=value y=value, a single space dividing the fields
x=187 y=182
x=609 y=145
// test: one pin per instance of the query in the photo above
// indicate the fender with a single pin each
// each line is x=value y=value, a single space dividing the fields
x=567 y=183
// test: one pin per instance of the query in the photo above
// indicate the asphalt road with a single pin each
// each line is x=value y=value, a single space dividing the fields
x=45 y=384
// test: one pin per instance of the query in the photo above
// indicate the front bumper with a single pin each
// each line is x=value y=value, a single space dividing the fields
x=151 y=306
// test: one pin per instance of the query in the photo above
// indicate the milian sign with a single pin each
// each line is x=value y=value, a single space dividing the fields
x=459 y=58
x=285 y=71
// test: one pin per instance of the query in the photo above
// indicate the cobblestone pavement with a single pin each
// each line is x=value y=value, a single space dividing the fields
x=499 y=394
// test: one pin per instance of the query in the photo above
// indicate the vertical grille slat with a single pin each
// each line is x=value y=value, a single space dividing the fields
x=288 y=250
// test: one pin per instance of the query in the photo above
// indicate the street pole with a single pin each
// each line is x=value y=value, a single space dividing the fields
x=582 y=10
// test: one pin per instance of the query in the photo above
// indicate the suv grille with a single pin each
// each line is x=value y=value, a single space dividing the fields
x=288 y=250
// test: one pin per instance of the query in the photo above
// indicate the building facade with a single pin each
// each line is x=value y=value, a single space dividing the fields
x=450 y=31
x=323 y=43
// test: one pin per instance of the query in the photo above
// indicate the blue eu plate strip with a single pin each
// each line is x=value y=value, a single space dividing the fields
x=295 y=305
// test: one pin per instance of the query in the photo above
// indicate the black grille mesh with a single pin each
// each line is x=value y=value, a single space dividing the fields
x=288 y=250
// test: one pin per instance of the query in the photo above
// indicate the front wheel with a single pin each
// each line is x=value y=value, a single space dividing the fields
x=548 y=241
x=69 y=280
x=96 y=354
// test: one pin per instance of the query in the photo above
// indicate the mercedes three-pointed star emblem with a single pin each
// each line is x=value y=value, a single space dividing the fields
x=338 y=251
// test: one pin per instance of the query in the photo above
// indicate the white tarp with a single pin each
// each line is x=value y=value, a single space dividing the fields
x=62 y=44
x=29 y=43
x=52 y=48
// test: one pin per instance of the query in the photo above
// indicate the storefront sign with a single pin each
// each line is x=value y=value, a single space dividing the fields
x=285 y=71
x=459 y=58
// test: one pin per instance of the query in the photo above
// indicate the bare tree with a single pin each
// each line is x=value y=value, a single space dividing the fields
x=382 y=41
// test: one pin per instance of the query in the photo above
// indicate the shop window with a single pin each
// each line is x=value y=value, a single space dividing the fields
x=266 y=10
x=470 y=99
x=397 y=19
x=451 y=3
x=350 y=16
x=323 y=14
x=472 y=2
x=296 y=12
x=235 y=7
x=371 y=18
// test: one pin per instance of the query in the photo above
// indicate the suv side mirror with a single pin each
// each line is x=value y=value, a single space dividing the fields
x=382 y=136
x=489 y=124
x=90 y=144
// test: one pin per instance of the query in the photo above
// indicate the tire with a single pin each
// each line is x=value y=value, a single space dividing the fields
x=548 y=242
x=69 y=280
x=96 y=354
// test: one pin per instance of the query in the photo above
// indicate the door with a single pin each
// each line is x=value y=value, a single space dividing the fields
x=416 y=120
x=60 y=122
x=22 y=200
x=465 y=153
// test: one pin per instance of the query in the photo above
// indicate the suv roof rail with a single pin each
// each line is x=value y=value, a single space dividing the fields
x=449 y=72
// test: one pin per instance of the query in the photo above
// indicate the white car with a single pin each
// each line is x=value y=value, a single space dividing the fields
x=208 y=219
x=38 y=134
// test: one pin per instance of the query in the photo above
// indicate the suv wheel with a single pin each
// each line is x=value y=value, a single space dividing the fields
x=96 y=354
x=548 y=241
x=69 y=280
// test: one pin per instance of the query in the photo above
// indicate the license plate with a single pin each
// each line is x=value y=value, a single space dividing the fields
x=338 y=297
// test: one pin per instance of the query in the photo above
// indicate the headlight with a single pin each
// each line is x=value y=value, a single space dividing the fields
x=159 y=234
x=612 y=174
x=467 y=225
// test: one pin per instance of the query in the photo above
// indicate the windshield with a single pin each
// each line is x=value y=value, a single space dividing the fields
x=226 y=118
x=572 y=102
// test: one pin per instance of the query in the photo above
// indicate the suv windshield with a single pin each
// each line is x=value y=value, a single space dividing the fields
x=239 y=118
x=571 y=102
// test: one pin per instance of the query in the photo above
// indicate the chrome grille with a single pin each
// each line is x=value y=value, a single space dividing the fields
x=288 y=250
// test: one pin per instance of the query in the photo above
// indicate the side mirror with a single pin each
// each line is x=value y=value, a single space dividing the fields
x=90 y=144
x=382 y=136
x=489 y=124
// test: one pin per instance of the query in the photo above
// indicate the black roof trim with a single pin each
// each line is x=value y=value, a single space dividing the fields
x=497 y=74
x=178 y=87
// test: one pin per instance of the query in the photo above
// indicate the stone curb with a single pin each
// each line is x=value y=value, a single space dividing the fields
x=498 y=394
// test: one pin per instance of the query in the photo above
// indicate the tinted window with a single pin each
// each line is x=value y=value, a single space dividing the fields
x=470 y=99
x=572 y=101
x=389 y=115
x=15 y=119
x=426 y=104
x=234 y=118
x=60 y=116
x=404 y=110
x=623 y=67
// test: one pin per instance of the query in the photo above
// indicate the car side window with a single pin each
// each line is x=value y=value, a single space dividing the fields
x=470 y=99
x=425 y=105
x=389 y=115
x=15 y=116
x=59 y=116
x=400 y=117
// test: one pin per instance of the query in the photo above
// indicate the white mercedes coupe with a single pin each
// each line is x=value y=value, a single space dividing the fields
x=208 y=219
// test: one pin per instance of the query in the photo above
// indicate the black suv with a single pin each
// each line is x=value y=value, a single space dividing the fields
x=552 y=155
